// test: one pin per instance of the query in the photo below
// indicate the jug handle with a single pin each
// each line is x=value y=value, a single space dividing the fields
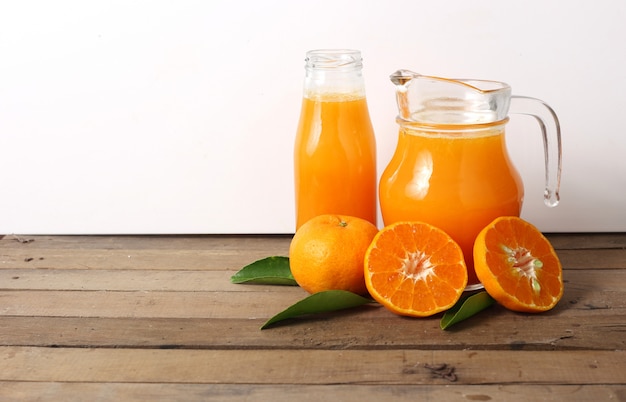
x=551 y=131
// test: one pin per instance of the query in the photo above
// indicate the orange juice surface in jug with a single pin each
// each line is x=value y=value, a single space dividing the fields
x=456 y=180
x=335 y=158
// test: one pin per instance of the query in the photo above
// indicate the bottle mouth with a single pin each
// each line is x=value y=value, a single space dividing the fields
x=335 y=59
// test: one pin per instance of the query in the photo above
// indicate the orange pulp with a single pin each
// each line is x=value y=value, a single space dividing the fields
x=456 y=180
x=335 y=159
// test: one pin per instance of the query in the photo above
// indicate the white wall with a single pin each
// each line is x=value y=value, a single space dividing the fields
x=179 y=116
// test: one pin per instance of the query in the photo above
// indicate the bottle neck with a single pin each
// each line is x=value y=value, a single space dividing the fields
x=332 y=74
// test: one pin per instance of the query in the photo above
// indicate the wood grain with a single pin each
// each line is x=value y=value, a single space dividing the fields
x=390 y=367
x=156 y=318
x=76 y=392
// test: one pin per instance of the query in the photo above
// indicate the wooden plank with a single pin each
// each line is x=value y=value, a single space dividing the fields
x=391 y=367
x=601 y=291
x=129 y=259
x=586 y=241
x=119 y=280
x=139 y=252
x=201 y=280
x=256 y=304
x=593 y=259
x=220 y=260
x=367 y=328
x=79 y=392
x=560 y=241
x=214 y=253
x=253 y=243
x=249 y=305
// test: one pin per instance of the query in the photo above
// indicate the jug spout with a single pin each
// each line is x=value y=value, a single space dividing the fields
x=402 y=80
x=402 y=77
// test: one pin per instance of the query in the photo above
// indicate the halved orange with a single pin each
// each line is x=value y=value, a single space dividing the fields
x=518 y=266
x=415 y=269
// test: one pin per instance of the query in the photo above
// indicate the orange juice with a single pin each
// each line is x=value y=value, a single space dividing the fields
x=335 y=158
x=458 y=180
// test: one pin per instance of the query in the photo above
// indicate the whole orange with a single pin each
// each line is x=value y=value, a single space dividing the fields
x=328 y=252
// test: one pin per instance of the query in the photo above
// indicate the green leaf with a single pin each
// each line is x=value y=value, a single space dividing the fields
x=267 y=271
x=466 y=307
x=330 y=300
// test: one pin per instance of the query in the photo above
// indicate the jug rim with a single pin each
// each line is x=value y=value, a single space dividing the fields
x=401 y=77
x=473 y=83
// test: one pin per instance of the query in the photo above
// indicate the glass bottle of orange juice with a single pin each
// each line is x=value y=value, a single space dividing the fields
x=335 y=148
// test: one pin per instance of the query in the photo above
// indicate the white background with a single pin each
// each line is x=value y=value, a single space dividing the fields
x=179 y=116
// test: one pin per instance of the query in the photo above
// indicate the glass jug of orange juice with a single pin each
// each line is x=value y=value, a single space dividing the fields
x=451 y=167
x=335 y=148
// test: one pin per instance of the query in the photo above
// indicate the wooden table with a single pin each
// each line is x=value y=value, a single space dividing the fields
x=156 y=318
